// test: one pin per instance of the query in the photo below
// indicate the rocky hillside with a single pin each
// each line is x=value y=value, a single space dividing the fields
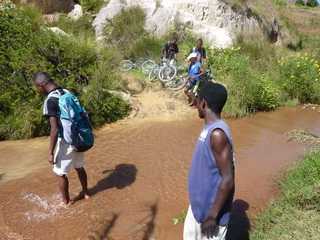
x=50 y=6
x=214 y=20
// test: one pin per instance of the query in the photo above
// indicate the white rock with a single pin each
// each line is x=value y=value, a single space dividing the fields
x=76 y=12
x=58 y=31
x=213 y=20
x=124 y=96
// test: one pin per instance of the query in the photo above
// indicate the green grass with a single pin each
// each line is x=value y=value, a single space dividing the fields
x=296 y=214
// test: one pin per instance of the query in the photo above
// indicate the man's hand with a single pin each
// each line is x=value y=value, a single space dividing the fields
x=51 y=159
x=209 y=228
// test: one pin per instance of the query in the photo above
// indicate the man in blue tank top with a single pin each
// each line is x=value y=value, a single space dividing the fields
x=211 y=176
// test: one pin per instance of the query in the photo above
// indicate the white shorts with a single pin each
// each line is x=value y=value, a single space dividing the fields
x=65 y=157
x=192 y=229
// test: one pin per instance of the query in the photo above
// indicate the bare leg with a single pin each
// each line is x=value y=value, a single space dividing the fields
x=64 y=188
x=84 y=181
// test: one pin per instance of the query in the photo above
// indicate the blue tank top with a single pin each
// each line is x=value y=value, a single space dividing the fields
x=204 y=176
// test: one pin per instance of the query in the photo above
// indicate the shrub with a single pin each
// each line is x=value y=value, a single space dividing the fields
x=232 y=69
x=312 y=3
x=249 y=91
x=91 y=5
x=126 y=29
x=80 y=28
x=27 y=47
x=146 y=47
x=268 y=95
x=101 y=105
x=300 y=78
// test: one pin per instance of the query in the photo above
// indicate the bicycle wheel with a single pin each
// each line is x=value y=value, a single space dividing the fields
x=139 y=62
x=177 y=83
x=154 y=73
x=126 y=65
x=147 y=66
x=167 y=73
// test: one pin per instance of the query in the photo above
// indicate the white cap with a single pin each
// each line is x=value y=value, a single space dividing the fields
x=192 y=55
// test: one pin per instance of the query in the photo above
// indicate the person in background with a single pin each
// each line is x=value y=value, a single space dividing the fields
x=195 y=71
x=211 y=176
x=200 y=50
x=170 y=50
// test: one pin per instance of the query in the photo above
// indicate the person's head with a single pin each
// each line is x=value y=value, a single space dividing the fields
x=199 y=43
x=174 y=38
x=193 y=57
x=43 y=82
x=211 y=99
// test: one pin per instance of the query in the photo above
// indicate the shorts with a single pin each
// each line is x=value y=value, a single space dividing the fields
x=65 y=157
x=192 y=229
x=193 y=86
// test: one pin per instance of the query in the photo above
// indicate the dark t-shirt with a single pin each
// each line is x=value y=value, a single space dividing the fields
x=170 y=50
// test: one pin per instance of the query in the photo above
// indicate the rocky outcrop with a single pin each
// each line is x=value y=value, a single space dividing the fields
x=76 y=12
x=50 y=6
x=214 y=20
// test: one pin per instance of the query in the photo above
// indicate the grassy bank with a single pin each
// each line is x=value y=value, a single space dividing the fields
x=296 y=214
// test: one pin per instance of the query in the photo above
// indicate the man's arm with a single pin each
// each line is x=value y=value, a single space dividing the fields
x=53 y=137
x=223 y=154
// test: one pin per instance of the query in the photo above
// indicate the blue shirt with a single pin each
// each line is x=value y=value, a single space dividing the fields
x=205 y=178
x=194 y=71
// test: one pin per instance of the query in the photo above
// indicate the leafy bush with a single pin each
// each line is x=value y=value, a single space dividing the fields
x=268 y=94
x=126 y=29
x=300 y=78
x=91 y=5
x=80 y=28
x=312 y=3
x=27 y=47
x=300 y=2
x=249 y=90
x=146 y=47
x=232 y=69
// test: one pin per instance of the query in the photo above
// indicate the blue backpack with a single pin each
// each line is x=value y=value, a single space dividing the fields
x=76 y=127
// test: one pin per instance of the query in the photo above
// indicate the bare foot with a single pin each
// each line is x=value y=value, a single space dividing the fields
x=86 y=196
x=81 y=196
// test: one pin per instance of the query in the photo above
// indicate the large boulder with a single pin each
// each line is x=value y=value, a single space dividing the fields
x=50 y=6
x=76 y=12
x=213 y=20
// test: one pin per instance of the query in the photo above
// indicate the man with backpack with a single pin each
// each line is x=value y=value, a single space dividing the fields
x=70 y=133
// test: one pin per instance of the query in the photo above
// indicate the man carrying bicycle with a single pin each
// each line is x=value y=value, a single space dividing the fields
x=170 y=50
x=195 y=71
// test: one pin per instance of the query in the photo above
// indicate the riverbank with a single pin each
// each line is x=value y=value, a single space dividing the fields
x=295 y=214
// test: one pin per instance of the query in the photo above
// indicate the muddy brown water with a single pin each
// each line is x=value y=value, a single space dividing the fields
x=138 y=177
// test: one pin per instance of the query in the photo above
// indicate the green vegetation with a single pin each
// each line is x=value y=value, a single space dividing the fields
x=260 y=78
x=295 y=215
x=127 y=35
x=26 y=46
x=91 y=5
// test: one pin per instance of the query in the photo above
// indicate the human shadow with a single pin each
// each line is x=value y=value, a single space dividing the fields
x=145 y=227
x=151 y=223
x=103 y=228
x=120 y=177
x=239 y=226
x=1 y=176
